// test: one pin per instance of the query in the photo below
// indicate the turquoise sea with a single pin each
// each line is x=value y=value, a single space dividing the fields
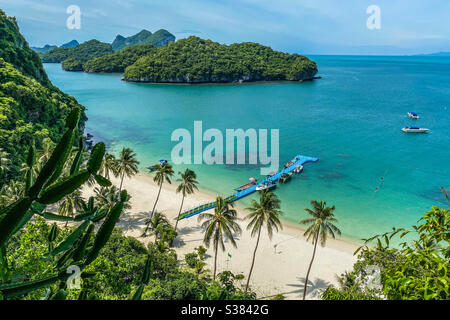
x=351 y=120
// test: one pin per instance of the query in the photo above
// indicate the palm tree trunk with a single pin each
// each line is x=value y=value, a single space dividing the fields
x=310 y=264
x=121 y=181
x=215 y=261
x=157 y=198
x=181 y=208
x=253 y=261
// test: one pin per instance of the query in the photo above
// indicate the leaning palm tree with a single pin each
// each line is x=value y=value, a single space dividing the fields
x=127 y=165
x=222 y=223
x=187 y=185
x=164 y=172
x=264 y=213
x=320 y=225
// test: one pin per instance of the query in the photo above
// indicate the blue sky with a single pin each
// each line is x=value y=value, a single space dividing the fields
x=303 y=26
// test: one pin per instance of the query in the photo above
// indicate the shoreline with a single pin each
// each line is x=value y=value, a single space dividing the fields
x=281 y=262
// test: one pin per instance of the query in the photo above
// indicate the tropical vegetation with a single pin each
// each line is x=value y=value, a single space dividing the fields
x=83 y=52
x=219 y=226
x=195 y=60
x=417 y=270
x=118 y=61
x=320 y=225
x=158 y=39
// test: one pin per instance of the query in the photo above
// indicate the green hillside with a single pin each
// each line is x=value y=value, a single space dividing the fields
x=194 y=60
x=158 y=39
x=118 y=61
x=30 y=106
x=84 y=52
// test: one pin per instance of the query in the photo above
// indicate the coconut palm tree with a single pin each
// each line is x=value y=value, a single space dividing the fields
x=187 y=185
x=163 y=173
x=127 y=165
x=109 y=165
x=264 y=213
x=46 y=151
x=4 y=162
x=69 y=205
x=11 y=192
x=219 y=225
x=107 y=197
x=157 y=224
x=320 y=225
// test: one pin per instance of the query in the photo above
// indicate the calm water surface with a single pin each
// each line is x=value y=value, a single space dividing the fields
x=351 y=120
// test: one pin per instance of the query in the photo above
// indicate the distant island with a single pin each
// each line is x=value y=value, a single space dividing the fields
x=48 y=47
x=158 y=39
x=436 y=54
x=80 y=53
x=195 y=60
x=83 y=52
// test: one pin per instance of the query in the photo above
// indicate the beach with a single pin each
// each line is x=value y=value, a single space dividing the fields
x=281 y=262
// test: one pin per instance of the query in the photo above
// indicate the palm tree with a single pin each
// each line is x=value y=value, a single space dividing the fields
x=109 y=165
x=127 y=165
x=187 y=185
x=47 y=149
x=222 y=223
x=157 y=224
x=107 y=197
x=11 y=192
x=263 y=213
x=4 y=161
x=70 y=204
x=320 y=225
x=163 y=173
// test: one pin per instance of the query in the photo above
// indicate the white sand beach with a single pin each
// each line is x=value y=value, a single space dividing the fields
x=281 y=263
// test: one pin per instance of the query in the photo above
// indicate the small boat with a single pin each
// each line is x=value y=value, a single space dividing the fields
x=298 y=169
x=285 y=177
x=415 y=130
x=290 y=163
x=413 y=115
x=269 y=185
x=246 y=186
x=161 y=163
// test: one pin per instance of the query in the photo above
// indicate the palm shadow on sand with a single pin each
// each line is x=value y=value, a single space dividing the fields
x=314 y=287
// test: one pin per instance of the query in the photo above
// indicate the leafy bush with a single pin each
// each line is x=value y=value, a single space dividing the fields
x=415 y=271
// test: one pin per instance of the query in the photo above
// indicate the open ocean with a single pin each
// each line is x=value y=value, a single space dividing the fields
x=351 y=120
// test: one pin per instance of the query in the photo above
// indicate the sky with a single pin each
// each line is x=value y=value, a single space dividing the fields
x=302 y=26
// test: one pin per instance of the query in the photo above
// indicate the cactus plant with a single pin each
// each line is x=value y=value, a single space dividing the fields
x=48 y=188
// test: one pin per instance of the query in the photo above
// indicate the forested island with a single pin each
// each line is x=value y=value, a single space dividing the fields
x=195 y=60
x=114 y=62
x=83 y=52
x=158 y=39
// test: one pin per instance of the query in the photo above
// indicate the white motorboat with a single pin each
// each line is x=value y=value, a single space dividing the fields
x=413 y=115
x=266 y=185
x=415 y=130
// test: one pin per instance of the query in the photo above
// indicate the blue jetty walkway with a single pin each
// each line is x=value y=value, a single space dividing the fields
x=299 y=160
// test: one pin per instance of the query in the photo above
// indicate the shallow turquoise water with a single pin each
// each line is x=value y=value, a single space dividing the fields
x=351 y=120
